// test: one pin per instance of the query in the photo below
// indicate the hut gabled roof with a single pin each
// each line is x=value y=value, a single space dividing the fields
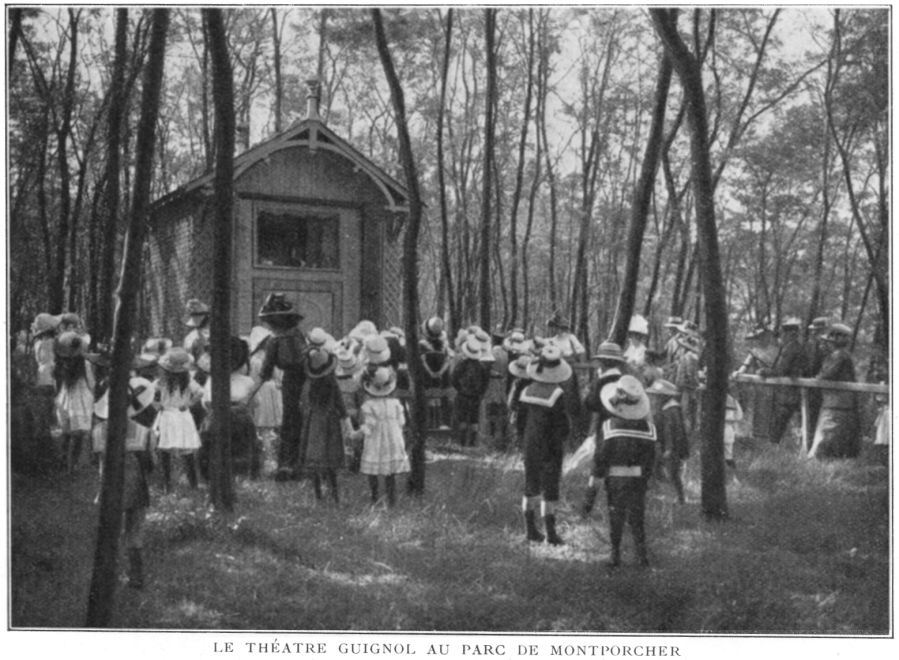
x=313 y=134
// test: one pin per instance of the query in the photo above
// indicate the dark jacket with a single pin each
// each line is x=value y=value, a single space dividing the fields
x=790 y=363
x=626 y=444
x=838 y=366
x=546 y=409
x=671 y=431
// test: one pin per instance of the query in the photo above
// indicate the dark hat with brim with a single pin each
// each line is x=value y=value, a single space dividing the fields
x=277 y=305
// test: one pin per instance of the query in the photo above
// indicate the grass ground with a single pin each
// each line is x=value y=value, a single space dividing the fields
x=806 y=550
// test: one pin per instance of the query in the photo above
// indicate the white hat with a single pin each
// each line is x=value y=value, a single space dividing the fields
x=519 y=366
x=471 y=348
x=625 y=398
x=638 y=325
x=141 y=392
x=380 y=382
x=663 y=387
x=377 y=349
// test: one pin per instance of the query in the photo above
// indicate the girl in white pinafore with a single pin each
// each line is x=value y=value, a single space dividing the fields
x=383 y=418
x=75 y=395
x=175 y=425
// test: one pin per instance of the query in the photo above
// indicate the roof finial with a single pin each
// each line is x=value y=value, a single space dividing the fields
x=313 y=96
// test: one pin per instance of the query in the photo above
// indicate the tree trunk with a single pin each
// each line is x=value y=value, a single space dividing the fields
x=221 y=488
x=441 y=179
x=103 y=581
x=110 y=207
x=416 y=483
x=484 y=293
x=276 y=62
x=688 y=68
x=640 y=209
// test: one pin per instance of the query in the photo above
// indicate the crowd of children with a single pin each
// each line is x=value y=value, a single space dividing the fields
x=307 y=405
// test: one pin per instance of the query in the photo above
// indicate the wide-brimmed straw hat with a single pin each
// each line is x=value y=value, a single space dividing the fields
x=363 y=330
x=277 y=305
x=663 y=387
x=514 y=341
x=70 y=318
x=549 y=367
x=673 y=322
x=609 y=350
x=791 y=322
x=44 y=322
x=176 y=360
x=70 y=344
x=320 y=362
x=839 y=329
x=348 y=362
x=377 y=350
x=519 y=366
x=471 y=348
x=625 y=398
x=820 y=324
x=380 y=382
x=141 y=394
x=153 y=349
x=196 y=312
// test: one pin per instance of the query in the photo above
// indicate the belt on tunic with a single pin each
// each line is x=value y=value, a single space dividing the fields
x=625 y=471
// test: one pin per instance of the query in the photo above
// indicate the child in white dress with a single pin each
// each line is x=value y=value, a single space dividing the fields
x=175 y=425
x=265 y=406
x=74 y=395
x=383 y=419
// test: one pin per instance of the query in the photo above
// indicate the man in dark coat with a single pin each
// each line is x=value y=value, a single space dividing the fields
x=625 y=460
x=815 y=351
x=789 y=363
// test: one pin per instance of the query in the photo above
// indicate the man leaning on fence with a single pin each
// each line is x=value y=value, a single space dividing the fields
x=789 y=363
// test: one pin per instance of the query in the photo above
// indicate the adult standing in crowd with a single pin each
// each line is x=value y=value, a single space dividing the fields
x=762 y=353
x=815 y=350
x=838 y=432
x=789 y=363
x=285 y=350
x=572 y=351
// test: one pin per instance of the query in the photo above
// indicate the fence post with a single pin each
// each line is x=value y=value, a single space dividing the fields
x=803 y=441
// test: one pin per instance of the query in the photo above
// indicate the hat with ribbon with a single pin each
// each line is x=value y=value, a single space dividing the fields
x=320 y=362
x=277 y=305
x=471 y=348
x=839 y=330
x=363 y=330
x=519 y=366
x=44 y=323
x=791 y=323
x=69 y=344
x=820 y=324
x=663 y=387
x=348 y=362
x=153 y=349
x=141 y=394
x=549 y=367
x=625 y=398
x=377 y=349
x=196 y=313
x=514 y=341
x=609 y=350
x=380 y=382
x=176 y=360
